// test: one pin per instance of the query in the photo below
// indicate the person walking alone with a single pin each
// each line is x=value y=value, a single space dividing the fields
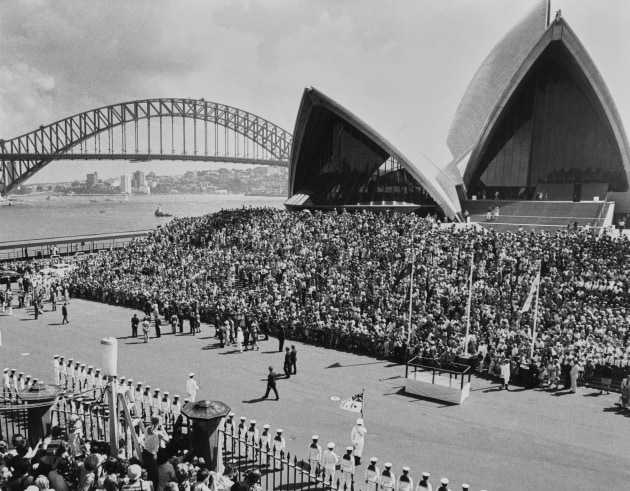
x=271 y=384
x=64 y=313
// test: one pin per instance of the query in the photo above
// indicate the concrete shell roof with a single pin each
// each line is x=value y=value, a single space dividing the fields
x=489 y=82
x=401 y=146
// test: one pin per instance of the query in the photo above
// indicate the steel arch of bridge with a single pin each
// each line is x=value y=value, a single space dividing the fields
x=25 y=155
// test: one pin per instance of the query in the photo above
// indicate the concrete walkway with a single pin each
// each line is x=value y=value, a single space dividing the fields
x=496 y=440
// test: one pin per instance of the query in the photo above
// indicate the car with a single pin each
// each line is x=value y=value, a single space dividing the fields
x=7 y=277
x=79 y=254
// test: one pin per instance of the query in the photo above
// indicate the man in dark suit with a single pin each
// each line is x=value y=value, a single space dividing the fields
x=281 y=335
x=287 y=362
x=271 y=384
x=134 y=326
x=293 y=360
x=64 y=312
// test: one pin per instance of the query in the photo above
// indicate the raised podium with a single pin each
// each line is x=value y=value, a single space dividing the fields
x=431 y=382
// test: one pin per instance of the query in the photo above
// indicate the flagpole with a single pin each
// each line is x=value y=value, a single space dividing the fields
x=469 y=306
x=531 y=353
x=362 y=402
x=413 y=263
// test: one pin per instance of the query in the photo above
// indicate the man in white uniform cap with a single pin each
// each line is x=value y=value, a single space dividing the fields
x=329 y=461
x=372 y=475
x=347 y=469
x=405 y=482
x=357 y=438
x=192 y=387
x=314 y=455
x=444 y=485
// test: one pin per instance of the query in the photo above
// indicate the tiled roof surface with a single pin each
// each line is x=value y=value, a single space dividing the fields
x=492 y=78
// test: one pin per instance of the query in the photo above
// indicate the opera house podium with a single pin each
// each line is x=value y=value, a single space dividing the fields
x=450 y=386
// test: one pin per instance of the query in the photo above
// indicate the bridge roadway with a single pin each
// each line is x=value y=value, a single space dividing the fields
x=496 y=440
x=141 y=157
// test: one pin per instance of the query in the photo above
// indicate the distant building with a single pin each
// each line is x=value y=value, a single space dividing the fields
x=125 y=183
x=92 y=179
x=138 y=179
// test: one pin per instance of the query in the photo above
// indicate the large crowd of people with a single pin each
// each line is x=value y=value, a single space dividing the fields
x=343 y=280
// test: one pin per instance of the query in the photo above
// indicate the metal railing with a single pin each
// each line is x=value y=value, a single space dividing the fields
x=278 y=469
x=13 y=417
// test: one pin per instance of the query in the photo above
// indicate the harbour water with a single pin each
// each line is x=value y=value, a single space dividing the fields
x=40 y=217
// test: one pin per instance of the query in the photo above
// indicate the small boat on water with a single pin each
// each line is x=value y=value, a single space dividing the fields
x=160 y=213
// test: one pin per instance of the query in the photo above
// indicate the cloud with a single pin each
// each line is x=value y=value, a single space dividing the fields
x=393 y=63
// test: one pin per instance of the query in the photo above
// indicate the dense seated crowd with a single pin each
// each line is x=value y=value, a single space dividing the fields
x=343 y=280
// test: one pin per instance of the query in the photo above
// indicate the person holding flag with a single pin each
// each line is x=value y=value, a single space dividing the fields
x=358 y=440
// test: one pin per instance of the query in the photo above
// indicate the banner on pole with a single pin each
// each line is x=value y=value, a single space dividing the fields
x=532 y=291
x=354 y=404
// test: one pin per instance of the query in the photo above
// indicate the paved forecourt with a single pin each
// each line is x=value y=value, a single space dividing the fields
x=496 y=440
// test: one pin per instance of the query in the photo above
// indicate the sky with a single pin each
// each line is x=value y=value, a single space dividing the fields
x=393 y=63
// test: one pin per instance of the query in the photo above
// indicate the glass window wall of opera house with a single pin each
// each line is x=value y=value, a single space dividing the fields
x=346 y=168
x=552 y=133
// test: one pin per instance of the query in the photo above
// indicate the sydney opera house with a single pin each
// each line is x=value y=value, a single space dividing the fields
x=536 y=122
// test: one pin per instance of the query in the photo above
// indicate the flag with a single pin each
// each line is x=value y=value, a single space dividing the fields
x=532 y=291
x=354 y=404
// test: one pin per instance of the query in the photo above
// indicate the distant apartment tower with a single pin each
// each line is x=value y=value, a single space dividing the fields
x=125 y=183
x=92 y=179
x=138 y=179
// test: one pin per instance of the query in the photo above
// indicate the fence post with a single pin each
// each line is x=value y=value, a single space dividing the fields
x=206 y=416
x=42 y=396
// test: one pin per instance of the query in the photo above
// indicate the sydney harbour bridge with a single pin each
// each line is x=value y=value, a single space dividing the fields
x=151 y=129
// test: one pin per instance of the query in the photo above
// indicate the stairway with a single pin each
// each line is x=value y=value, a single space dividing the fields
x=546 y=216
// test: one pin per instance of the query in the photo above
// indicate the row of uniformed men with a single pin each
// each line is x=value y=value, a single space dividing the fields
x=12 y=382
x=247 y=440
x=141 y=401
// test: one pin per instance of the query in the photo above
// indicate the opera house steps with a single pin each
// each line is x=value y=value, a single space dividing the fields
x=537 y=215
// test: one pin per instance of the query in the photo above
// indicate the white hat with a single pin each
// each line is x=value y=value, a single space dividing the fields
x=187 y=400
x=166 y=393
x=157 y=390
x=55 y=356
x=252 y=422
x=139 y=383
x=176 y=396
x=279 y=430
x=83 y=364
x=130 y=381
x=426 y=475
x=360 y=421
x=231 y=414
x=191 y=374
x=465 y=486
x=121 y=378
x=406 y=469
x=92 y=366
x=388 y=464
x=444 y=480
x=147 y=387
x=98 y=370
x=374 y=460
x=5 y=370
x=331 y=445
x=315 y=437
x=349 y=449
x=243 y=418
x=266 y=427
